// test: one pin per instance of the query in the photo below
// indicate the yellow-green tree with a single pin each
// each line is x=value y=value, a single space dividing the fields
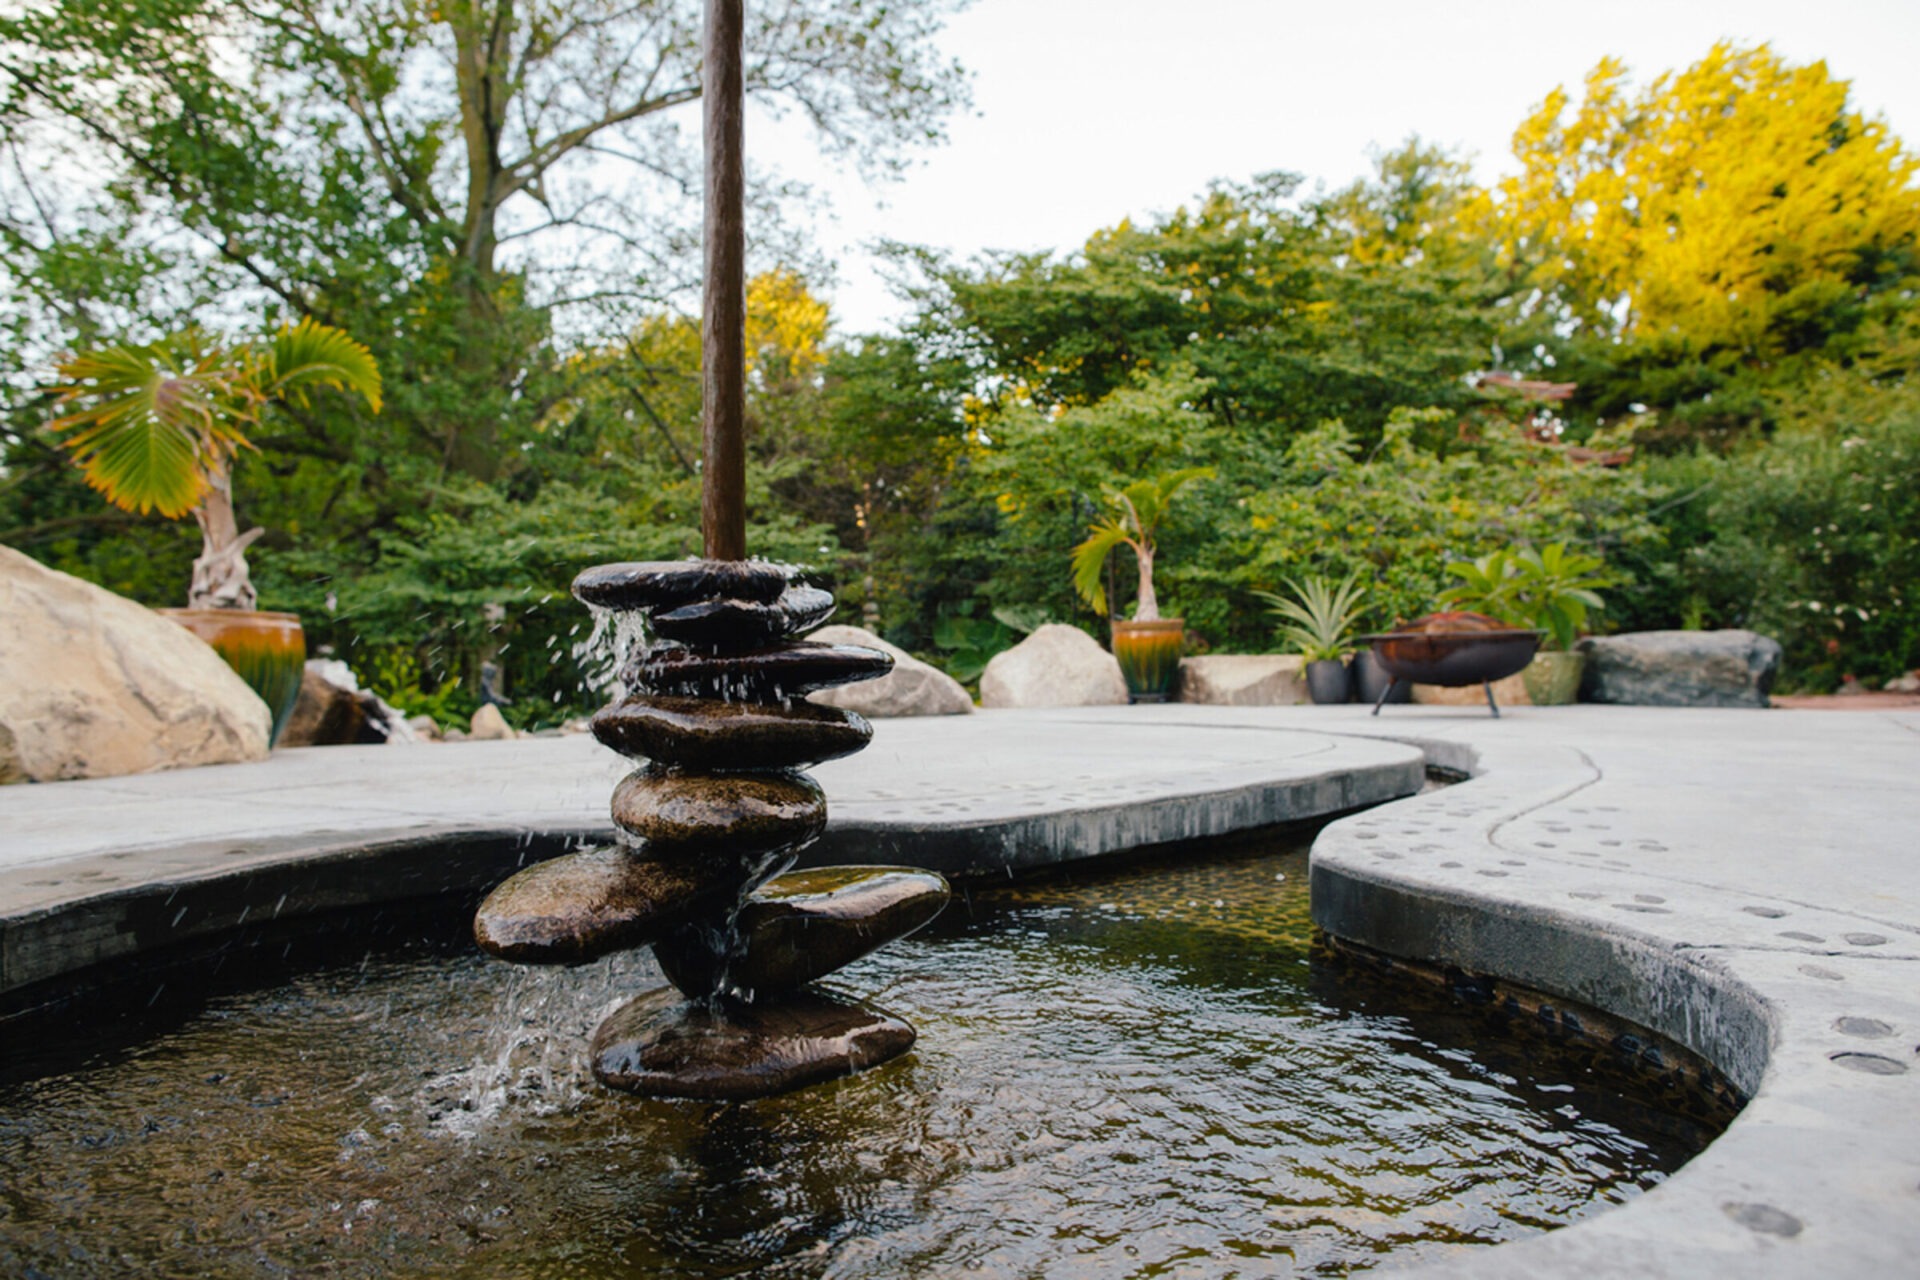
x=1740 y=204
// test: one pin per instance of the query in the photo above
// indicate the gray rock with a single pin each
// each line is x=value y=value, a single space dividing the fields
x=1242 y=680
x=1056 y=666
x=332 y=711
x=93 y=685
x=912 y=688
x=1680 y=668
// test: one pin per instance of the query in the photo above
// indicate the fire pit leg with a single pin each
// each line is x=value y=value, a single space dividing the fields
x=1381 y=701
x=1491 y=704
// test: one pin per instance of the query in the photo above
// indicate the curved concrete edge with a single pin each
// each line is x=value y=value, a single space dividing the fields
x=1820 y=1173
x=326 y=829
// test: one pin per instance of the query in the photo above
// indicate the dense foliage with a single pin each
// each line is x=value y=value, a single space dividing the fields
x=1724 y=262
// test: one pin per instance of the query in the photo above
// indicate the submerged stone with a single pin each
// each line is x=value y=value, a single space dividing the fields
x=747 y=814
x=664 y=1047
x=700 y=733
x=576 y=908
x=801 y=926
x=756 y=675
x=666 y=584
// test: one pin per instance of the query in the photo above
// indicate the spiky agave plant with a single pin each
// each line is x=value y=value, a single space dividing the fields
x=156 y=427
x=1319 y=617
x=1135 y=520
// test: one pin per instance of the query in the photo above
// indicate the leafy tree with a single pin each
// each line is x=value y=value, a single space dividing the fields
x=1264 y=300
x=1740 y=203
x=1693 y=248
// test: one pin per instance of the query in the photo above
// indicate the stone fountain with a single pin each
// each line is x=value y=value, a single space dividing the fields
x=715 y=713
x=718 y=808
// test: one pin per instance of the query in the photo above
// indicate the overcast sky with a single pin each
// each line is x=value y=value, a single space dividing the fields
x=1086 y=112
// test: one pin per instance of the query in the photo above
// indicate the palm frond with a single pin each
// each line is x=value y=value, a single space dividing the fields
x=1090 y=557
x=310 y=354
x=146 y=422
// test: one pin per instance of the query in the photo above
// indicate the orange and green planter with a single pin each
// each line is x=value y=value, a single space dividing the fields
x=1149 y=656
x=267 y=650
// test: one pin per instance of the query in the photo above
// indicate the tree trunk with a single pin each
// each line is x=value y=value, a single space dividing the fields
x=1147 y=607
x=221 y=579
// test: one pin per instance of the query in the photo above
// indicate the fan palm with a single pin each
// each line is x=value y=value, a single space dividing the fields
x=1138 y=511
x=156 y=427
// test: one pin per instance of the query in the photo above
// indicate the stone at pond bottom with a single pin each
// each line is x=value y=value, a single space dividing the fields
x=665 y=1047
x=663 y=584
x=577 y=908
x=700 y=733
x=679 y=814
x=803 y=925
x=912 y=688
x=758 y=675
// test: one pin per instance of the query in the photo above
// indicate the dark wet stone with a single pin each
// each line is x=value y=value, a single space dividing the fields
x=576 y=908
x=702 y=734
x=757 y=675
x=740 y=623
x=801 y=926
x=746 y=814
x=664 y=1047
x=665 y=584
x=806 y=608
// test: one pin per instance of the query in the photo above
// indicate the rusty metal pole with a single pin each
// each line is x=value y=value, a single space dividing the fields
x=723 y=333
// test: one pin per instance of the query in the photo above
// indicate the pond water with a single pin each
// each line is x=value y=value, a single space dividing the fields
x=1139 y=1072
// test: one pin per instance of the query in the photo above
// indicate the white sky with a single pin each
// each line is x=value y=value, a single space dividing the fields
x=1087 y=112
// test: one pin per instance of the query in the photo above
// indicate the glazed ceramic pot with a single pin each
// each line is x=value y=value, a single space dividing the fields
x=1328 y=682
x=1149 y=656
x=267 y=650
x=1553 y=678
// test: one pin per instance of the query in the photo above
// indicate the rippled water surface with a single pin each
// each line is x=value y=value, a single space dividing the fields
x=1140 y=1073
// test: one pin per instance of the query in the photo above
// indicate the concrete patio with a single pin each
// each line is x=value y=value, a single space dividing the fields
x=1744 y=883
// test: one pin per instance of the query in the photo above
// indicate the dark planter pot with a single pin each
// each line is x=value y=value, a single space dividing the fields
x=1372 y=679
x=1149 y=656
x=267 y=650
x=1328 y=682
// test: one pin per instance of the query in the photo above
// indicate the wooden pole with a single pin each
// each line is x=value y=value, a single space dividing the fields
x=723 y=506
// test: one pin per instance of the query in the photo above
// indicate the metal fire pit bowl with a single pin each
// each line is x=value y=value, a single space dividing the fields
x=1452 y=658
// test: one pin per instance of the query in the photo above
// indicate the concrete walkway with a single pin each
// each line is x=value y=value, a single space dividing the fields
x=1745 y=883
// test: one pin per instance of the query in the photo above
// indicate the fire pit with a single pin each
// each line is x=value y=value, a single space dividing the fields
x=1452 y=649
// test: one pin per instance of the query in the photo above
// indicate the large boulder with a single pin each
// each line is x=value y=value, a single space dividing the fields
x=93 y=685
x=1056 y=666
x=1680 y=668
x=1242 y=680
x=912 y=688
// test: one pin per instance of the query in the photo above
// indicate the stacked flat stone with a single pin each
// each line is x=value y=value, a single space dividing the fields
x=717 y=719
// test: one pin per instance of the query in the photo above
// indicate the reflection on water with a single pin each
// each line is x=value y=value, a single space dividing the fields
x=1139 y=1073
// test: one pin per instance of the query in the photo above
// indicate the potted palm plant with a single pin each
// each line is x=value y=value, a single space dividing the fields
x=156 y=427
x=1147 y=646
x=1551 y=590
x=1319 y=620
